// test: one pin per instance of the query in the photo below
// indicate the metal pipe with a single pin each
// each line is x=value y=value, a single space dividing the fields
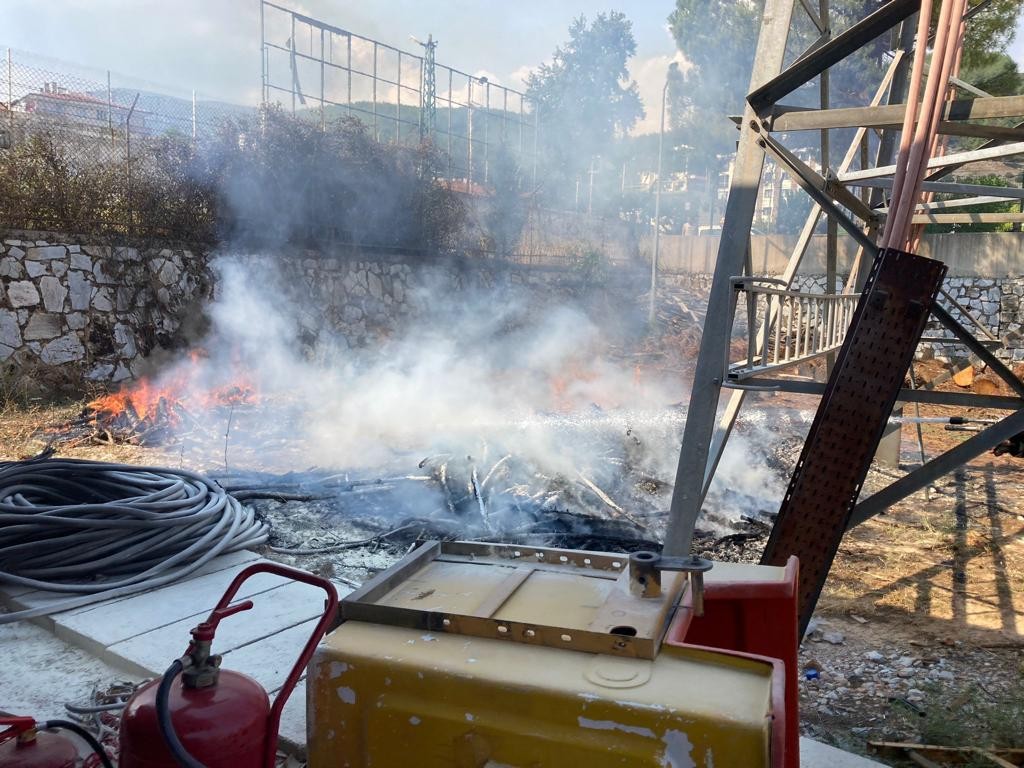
x=657 y=206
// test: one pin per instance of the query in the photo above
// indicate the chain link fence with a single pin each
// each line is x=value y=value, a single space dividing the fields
x=487 y=133
x=96 y=151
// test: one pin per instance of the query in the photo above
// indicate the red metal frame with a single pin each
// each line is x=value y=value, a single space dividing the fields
x=330 y=611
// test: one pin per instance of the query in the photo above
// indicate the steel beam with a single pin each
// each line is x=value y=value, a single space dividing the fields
x=966 y=217
x=959 y=202
x=929 y=396
x=787 y=118
x=953 y=168
x=924 y=476
x=957 y=158
x=804 y=176
x=944 y=187
x=832 y=52
x=739 y=216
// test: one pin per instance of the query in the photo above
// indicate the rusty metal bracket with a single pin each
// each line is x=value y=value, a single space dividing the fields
x=645 y=575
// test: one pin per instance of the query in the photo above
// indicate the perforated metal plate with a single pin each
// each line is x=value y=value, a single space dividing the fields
x=854 y=409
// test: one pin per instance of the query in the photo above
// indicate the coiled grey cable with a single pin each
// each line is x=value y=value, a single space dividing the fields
x=100 y=530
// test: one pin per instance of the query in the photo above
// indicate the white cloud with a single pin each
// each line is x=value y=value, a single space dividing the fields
x=650 y=77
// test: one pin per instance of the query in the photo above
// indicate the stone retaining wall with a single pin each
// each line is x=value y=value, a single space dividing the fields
x=86 y=312
x=93 y=310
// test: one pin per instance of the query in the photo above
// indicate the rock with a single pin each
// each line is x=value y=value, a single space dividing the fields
x=35 y=268
x=905 y=673
x=74 y=248
x=100 y=275
x=124 y=253
x=66 y=349
x=43 y=325
x=169 y=273
x=125 y=339
x=11 y=268
x=81 y=290
x=10 y=332
x=915 y=695
x=374 y=286
x=76 y=321
x=58 y=268
x=53 y=294
x=906 y=661
x=22 y=294
x=100 y=372
x=5 y=352
x=97 y=251
x=46 y=253
x=874 y=656
x=16 y=253
x=81 y=261
x=833 y=637
x=102 y=300
x=122 y=373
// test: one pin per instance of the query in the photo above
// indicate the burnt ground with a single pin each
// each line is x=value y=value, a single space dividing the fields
x=920 y=629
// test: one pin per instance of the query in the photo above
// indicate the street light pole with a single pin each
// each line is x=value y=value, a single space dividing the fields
x=657 y=202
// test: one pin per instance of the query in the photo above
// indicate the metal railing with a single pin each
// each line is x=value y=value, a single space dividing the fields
x=795 y=326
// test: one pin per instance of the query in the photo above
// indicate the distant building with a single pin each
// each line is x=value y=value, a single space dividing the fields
x=57 y=103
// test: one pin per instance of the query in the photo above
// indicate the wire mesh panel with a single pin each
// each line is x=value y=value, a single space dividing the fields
x=325 y=72
x=99 y=131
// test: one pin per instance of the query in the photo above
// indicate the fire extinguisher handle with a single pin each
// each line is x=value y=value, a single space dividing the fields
x=330 y=611
x=15 y=726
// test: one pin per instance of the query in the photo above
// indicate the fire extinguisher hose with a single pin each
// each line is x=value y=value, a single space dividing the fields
x=163 y=716
x=98 y=530
x=78 y=730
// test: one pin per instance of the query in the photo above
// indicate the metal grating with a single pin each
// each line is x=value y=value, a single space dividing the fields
x=858 y=399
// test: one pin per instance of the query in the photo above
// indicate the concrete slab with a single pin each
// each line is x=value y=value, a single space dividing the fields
x=42 y=672
x=19 y=598
x=273 y=610
x=138 y=636
x=814 y=754
x=110 y=623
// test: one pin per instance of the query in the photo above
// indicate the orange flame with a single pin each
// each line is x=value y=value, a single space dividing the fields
x=145 y=396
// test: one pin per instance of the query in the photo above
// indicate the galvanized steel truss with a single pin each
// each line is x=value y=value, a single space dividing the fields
x=852 y=200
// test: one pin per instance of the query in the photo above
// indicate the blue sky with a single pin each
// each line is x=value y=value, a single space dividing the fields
x=213 y=45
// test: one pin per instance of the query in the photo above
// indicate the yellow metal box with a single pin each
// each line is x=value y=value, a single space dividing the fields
x=428 y=695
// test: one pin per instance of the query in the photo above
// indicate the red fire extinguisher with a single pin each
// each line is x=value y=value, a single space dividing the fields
x=200 y=716
x=28 y=744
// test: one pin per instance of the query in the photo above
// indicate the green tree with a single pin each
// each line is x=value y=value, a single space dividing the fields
x=584 y=94
x=719 y=39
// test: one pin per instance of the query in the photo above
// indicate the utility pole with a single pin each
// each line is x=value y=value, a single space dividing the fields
x=657 y=198
x=590 y=191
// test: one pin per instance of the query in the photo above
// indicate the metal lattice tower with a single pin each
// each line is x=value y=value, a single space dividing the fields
x=794 y=325
x=429 y=89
